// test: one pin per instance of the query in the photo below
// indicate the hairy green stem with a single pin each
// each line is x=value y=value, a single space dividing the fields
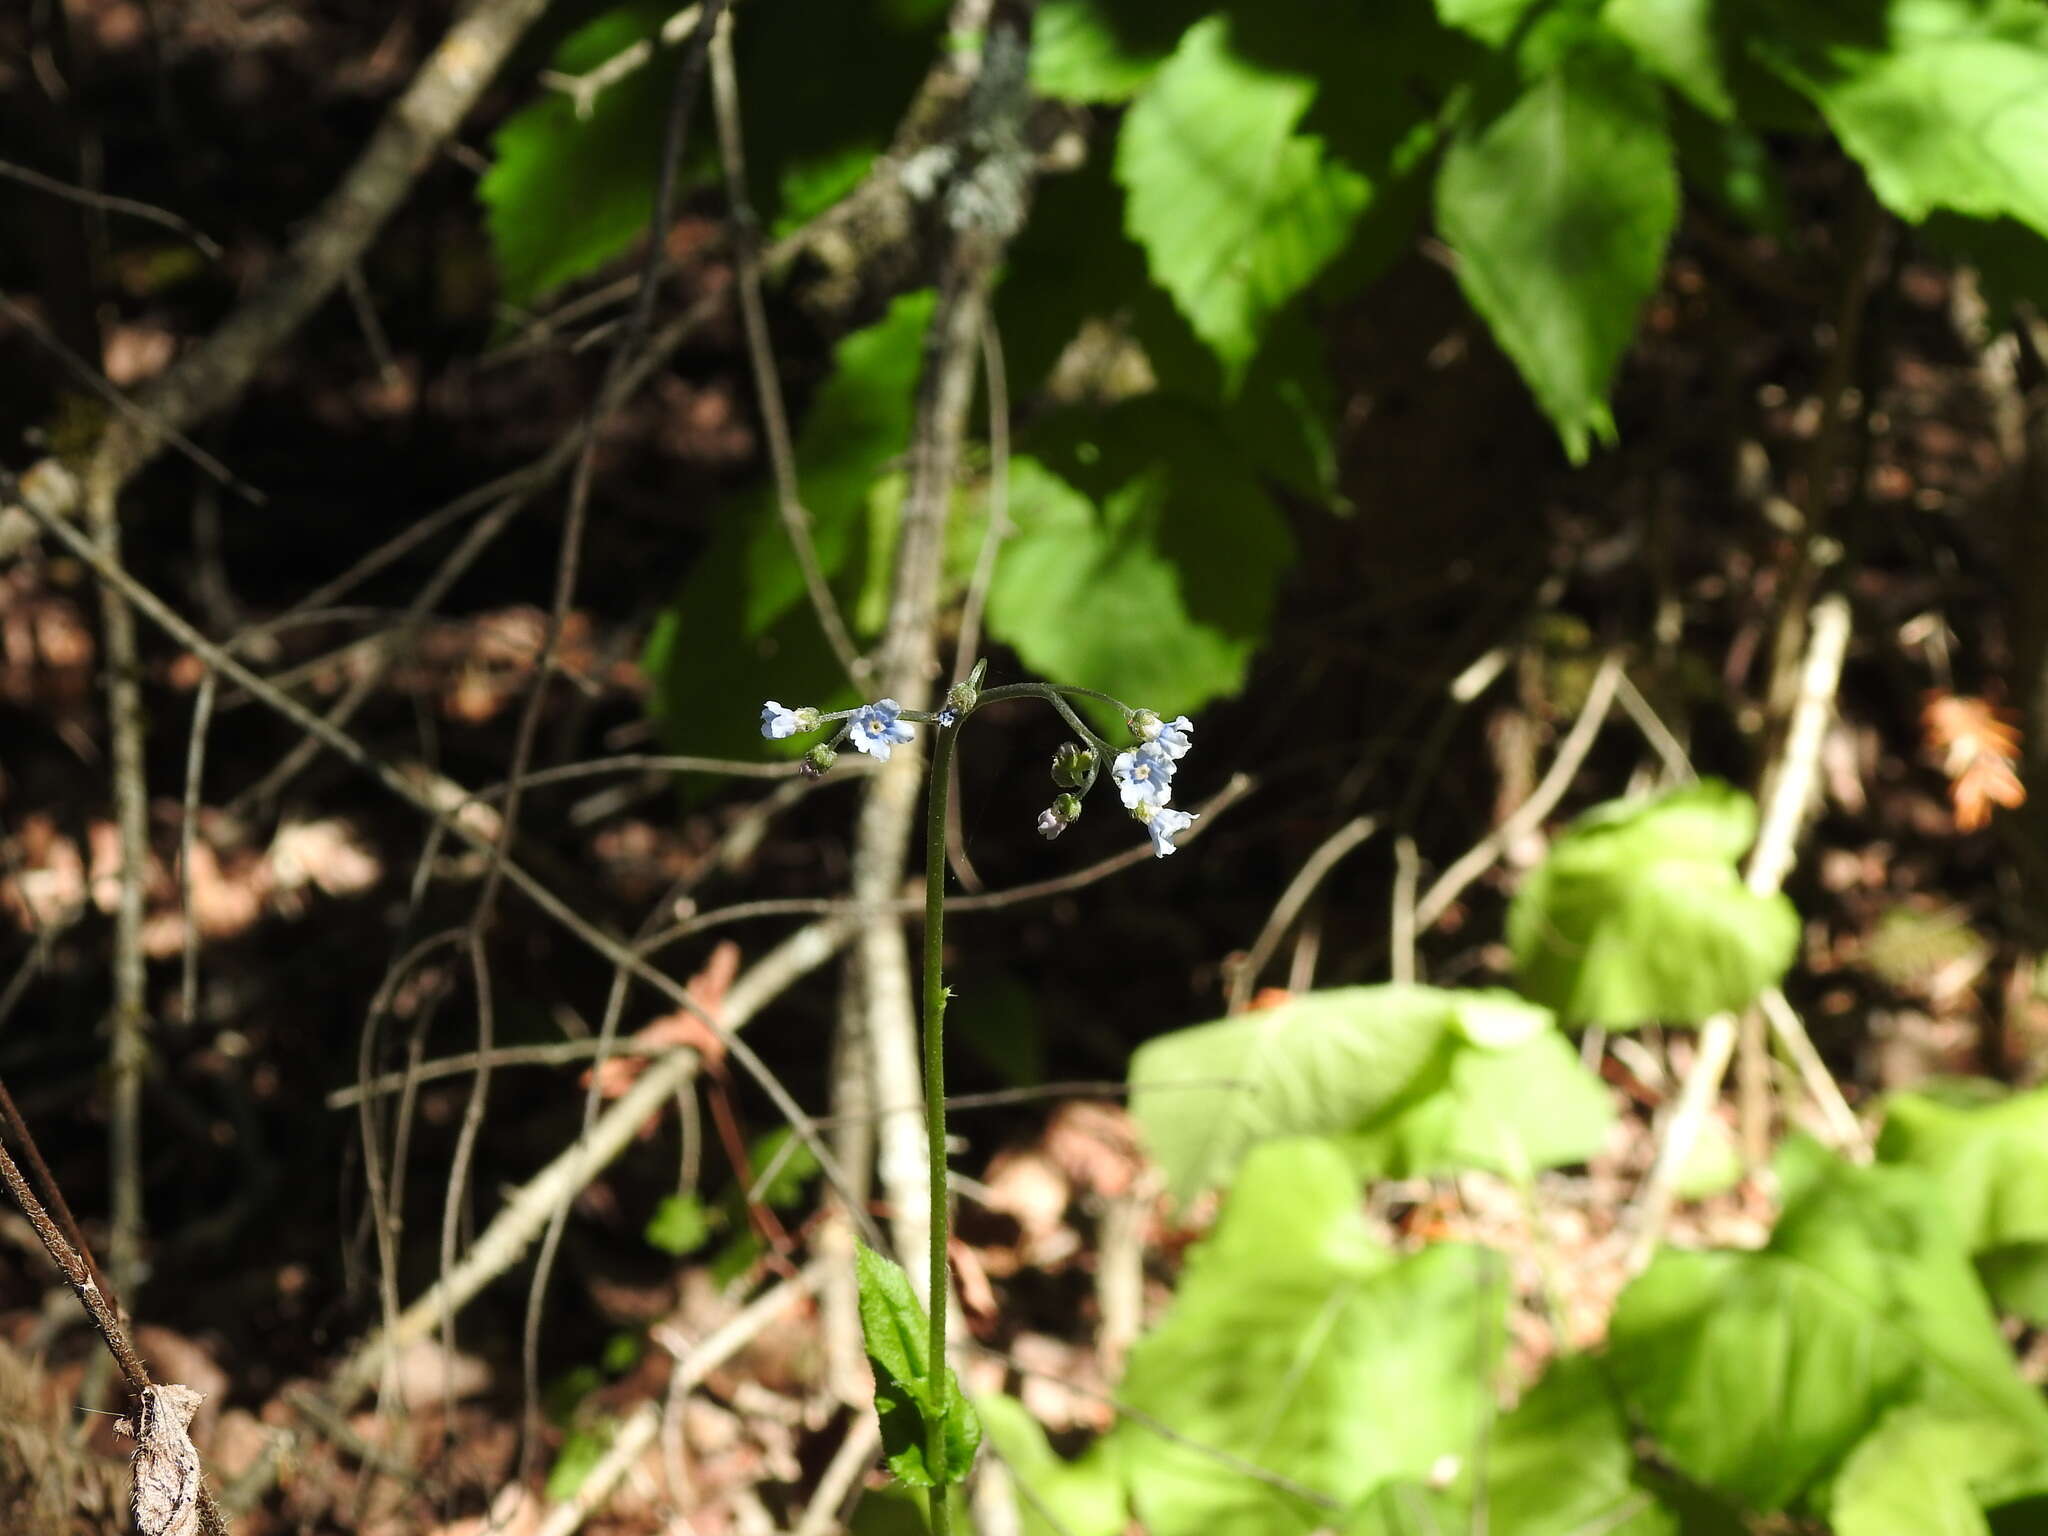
x=935 y=1103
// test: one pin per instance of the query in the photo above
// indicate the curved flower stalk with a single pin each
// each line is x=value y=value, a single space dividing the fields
x=922 y=1393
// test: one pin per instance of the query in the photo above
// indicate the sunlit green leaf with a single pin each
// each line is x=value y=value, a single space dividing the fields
x=1759 y=1372
x=1304 y=1348
x=679 y=1224
x=1082 y=1497
x=1236 y=210
x=1103 y=50
x=1639 y=914
x=895 y=1328
x=1558 y=208
x=1902 y=1481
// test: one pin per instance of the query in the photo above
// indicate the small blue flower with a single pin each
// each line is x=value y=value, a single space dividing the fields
x=876 y=730
x=946 y=717
x=1172 y=738
x=1144 y=776
x=777 y=722
x=1164 y=825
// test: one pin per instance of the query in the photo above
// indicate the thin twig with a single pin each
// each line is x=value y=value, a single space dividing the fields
x=1769 y=862
x=1307 y=880
x=1401 y=934
x=1670 y=751
x=188 y=837
x=107 y=202
x=1531 y=813
x=827 y=1510
x=1845 y=1129
x=638 y=1432
x=796 y=521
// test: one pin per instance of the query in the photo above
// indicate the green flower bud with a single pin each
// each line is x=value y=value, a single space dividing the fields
x=1067 y=807
x=1071 y=766
x=819 y=760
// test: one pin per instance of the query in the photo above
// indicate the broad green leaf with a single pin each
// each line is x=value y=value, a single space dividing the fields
x=679 y=1225
x=1989 y=1152
x=1947 y=108
x=582 y=1449
x=1324 y=1063
x=1236 y=210
x=1144 y=558
x=896 y=1331
x=1560 y=1464
x=565 y=195
x=1680 y=41
x=1558 y=209
x=1638 y=914
x=1759 y=1372
x=1302 y=1347
x=1493 y=22
x=1901 y=1481
x=1102 y=50
x=1082 y=1497
x=1513 y=1111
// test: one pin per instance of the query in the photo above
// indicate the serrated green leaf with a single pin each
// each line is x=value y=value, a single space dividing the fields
x=1638 y=914
x=1102 y=50
x=564 y=195
x=679 y=1225
x=1236 y=210
x=1166 y=522
x=1945 y=106
x=1901 y=1481
x=1304 y=1348
x=1680 y=40
x=897 y=1334
x=1082 y=1497
x=1759 y=1372
x=1493 y=22
x=1558 y=209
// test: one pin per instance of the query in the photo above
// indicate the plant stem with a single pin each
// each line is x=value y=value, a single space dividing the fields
x=935 y=1103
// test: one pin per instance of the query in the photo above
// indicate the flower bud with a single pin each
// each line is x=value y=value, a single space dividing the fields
x=1145 y=725
x=1064 y=811
x=819 y=760
x=1049 y=825
x=960 y=698
x=1071 y=766
x=807 y=720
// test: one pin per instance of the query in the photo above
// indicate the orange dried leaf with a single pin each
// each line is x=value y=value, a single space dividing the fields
x=1978 y=744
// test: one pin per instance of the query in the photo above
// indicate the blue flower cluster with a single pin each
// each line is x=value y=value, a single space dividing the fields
x=1144 y=776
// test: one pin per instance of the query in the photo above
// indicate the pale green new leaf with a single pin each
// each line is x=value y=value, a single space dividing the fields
x=1558 y=209
x=1302 y=1347
x=1493 y=22
x=895 y=1329
x=1235 y=209
x=1901 y=1481
x=1677 y=39
x=1102 y=50
x=1638 y=914
x=1082 y=1497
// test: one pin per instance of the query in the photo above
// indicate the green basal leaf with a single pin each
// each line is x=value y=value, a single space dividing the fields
x=1638 y=914
x=1759 y=1372
x=1558 y=208
x=1901 y=1481
x=1989 y=1153
x=1306 y=1349
x=1236 y=210
x=1393 y=1073
x=1082 y=1497
x=1561 y=1464
x=897 y=1334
